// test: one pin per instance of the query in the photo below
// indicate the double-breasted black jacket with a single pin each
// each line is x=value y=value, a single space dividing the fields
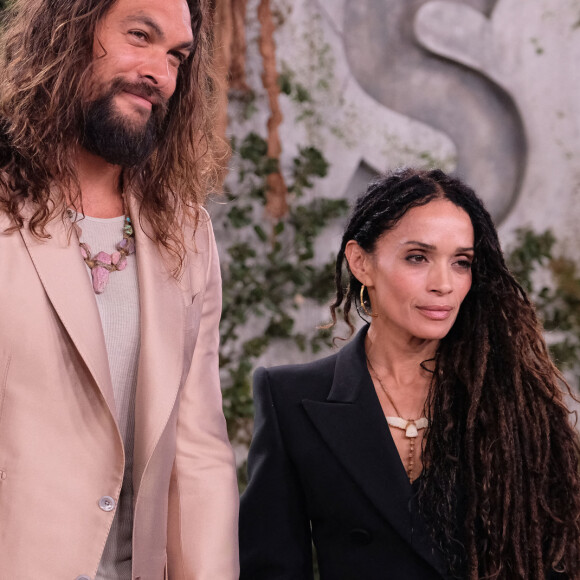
x=323 y=467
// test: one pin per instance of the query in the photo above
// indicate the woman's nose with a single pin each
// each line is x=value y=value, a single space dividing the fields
x=440 y=279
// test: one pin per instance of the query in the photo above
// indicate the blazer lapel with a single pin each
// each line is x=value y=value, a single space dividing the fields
x=352 y=423
x=66 y=282
x=162 y=306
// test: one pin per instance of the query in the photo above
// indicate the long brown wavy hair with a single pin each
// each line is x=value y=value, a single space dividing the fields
x=501 y=484
x=46 y=53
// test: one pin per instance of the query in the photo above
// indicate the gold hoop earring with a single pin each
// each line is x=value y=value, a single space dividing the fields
x=362 y=303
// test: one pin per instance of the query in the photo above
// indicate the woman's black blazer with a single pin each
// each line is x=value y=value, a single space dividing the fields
x=323 y=467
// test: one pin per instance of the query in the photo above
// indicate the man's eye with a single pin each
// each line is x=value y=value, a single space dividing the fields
x=178 y=58
x=175 y=59
x=139 y=34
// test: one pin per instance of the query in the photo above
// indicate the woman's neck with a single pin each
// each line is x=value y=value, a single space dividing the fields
x=398 y=362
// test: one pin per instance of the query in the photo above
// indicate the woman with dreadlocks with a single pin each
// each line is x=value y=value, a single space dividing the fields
x=437 y=443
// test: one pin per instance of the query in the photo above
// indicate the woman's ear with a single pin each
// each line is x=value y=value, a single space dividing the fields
x=359 y=262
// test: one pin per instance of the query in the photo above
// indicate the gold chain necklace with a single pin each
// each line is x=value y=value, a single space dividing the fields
x=410 y=426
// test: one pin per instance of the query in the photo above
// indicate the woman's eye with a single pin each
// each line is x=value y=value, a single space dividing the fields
x=465 y=264
x=416 y=258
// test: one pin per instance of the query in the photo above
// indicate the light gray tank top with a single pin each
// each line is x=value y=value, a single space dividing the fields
x=119 y=309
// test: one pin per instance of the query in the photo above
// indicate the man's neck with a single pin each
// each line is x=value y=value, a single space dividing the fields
x=100 y=186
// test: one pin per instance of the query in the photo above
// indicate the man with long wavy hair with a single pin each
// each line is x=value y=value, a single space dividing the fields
x=114 y=458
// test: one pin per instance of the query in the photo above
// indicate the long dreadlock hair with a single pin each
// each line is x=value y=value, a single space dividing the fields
x=501 y=485
x=46 y=55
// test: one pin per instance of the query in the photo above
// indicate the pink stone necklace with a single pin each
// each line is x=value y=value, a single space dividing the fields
x=102 y=264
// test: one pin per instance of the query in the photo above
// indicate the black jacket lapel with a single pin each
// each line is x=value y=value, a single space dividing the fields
x=353 y=425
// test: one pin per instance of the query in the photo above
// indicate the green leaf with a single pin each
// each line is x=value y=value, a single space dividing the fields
x=240 y=216
x=253 y=148
x=241 y=252
x=261 y=233
x=301 y=94
x=285 y=83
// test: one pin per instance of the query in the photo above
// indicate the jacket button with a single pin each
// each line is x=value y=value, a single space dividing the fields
x=361 y=537
x=107 y=503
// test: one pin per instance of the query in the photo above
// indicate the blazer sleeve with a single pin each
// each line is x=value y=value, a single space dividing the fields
x=204 y=501
x=275 y=539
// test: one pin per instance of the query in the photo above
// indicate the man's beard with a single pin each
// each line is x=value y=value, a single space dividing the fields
x=109 y=134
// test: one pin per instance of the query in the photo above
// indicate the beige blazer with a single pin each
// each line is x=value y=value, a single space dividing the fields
x=60 y=448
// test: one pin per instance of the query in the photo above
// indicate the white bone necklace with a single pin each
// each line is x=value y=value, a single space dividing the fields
x=410 y=426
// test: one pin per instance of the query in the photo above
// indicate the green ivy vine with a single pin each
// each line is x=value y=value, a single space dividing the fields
x=553 y=283
x=269 y=270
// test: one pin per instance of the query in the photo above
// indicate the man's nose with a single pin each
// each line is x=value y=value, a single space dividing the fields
x=157 y=69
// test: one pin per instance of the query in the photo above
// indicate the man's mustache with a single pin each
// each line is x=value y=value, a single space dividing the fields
x=143 y=90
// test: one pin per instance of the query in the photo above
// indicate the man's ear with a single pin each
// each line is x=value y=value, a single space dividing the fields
x=359 y=262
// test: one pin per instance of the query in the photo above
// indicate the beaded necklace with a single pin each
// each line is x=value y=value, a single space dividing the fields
x=410 y=426
x=102 y=264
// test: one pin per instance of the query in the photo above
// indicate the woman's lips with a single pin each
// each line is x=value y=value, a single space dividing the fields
x=435 y=312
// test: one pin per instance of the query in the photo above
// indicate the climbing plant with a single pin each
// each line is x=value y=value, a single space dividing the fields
x=552 y=281
x=269 y=222
x=269 y=269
